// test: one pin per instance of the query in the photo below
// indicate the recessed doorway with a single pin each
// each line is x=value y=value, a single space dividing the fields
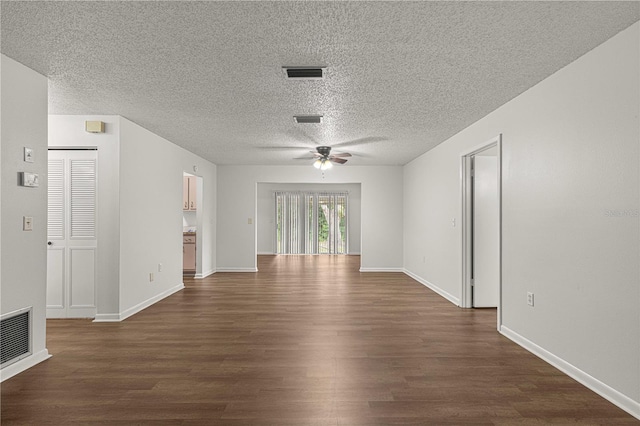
x=481 y=227
x=192 y=217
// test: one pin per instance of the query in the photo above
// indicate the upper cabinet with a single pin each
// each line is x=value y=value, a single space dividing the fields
x=189 y=193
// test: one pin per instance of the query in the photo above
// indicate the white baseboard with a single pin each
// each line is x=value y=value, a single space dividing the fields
x=107 y=318
x=607 y=392
x=205 y=274
x=137 y=308
x=266 y=253
x=24 y=364
x=450 y=297
x=237 y=270
x=381 y=269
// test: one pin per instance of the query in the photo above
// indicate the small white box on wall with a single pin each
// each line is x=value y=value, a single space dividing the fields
x=29 y=179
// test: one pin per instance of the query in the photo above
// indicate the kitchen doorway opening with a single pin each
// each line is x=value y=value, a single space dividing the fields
x=192 y=218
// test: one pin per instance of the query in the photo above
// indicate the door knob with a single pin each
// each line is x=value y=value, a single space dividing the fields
x=49 y=243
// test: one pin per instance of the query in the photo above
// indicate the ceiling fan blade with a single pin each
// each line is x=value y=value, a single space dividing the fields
x=341 y=154
x=361 y=141
x=334 y=159
x=308 y=157
x=316 y=153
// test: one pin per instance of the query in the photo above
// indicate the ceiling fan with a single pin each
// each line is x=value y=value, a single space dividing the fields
x=324 y=158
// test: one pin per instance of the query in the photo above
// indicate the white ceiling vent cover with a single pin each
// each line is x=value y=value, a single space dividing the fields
x=304 y=73
x=308 y=119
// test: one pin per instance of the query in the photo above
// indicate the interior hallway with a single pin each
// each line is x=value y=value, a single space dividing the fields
x=307 y=340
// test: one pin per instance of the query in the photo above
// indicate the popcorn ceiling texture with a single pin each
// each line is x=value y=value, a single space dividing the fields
x=402 y=76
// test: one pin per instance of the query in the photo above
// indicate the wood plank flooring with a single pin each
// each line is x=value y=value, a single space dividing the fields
x=308 y=340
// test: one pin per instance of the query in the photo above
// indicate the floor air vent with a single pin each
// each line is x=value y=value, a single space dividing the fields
x=15 y=336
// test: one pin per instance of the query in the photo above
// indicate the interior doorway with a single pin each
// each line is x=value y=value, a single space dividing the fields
x=192 y=221
x=311 y=213
x=481 y=227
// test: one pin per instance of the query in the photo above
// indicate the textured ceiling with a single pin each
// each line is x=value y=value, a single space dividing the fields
x=401 y=78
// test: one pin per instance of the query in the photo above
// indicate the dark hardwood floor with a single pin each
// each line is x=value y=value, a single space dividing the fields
x=306 y=341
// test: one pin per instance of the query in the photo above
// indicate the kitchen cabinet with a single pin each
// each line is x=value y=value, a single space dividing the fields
x=189 y=253
x=189 y=193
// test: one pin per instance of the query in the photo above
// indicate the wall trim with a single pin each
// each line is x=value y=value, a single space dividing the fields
x=266 y=253
x=107 y=318
x=24 y=364
x=450 y=297
x=145 y=304
x=237 y=270
x=381 y=270
x=607 y=392
x=139 y=307
x=205 y=274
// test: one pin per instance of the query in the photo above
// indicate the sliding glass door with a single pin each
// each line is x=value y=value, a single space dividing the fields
x=311 y=223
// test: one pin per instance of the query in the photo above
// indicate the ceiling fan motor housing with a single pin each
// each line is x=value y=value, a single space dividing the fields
x=324 y=150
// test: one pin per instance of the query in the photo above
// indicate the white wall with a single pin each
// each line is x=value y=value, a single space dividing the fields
x=23 y=259
x=571 y=231
x=151 y=173
x=381 y=207
x=139 y=211
x=266 y=219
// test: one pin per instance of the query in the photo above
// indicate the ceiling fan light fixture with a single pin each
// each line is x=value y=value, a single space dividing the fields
x=326 y=164
x=318 y=163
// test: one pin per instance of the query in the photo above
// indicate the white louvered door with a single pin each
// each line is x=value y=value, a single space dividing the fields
x=71 y=234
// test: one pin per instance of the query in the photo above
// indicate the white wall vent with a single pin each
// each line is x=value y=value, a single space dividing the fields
x=15 y=336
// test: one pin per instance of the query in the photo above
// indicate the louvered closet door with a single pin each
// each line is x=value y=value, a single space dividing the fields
x=71 y=232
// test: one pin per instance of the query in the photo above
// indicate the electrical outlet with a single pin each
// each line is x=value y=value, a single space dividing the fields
x=150 y=276
x=250 y=221
x=159 y=267
x=27 y=223
x=529 y=298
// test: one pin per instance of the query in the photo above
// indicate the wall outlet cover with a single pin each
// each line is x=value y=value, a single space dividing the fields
x=27 y=223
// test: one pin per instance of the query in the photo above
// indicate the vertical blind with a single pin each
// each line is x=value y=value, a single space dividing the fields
x=311 y=222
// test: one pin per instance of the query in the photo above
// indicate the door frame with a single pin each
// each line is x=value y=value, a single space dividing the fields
x=199 y=272
x=466 y=300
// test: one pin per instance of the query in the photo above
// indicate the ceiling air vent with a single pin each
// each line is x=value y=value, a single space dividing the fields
x=308 y=119
x=304 y=73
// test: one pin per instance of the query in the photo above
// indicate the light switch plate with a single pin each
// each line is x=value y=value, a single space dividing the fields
x=27 y=223
x=28 y=155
